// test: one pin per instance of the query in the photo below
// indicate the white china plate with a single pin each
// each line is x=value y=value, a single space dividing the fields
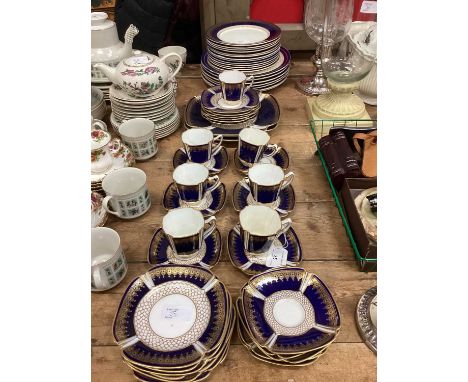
x=243 y=34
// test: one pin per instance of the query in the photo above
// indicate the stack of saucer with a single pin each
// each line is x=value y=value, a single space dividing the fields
x=98 y=103
x=174 y=322
x=223 y=116
x=159 y=108
x=252 y=47
x=104 y=87
x=287 y=317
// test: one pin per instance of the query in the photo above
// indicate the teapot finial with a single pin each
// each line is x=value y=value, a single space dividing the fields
x=130 y=34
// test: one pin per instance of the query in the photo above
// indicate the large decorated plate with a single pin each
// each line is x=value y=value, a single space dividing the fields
x=244 y=33
x=172 y=316
x=289 y=310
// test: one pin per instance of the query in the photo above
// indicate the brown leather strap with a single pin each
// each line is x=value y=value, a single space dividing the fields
x=364 y=137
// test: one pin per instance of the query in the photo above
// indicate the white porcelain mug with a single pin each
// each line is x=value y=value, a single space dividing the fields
x=200 y=144
x=192 y=182
x=138 y=135
x=108 y=263
x=174 y=61
x=253 y=146
x=185 y=229
x=266 y=180
x=127 y=193
x=233 y=86
x=259 y=227
x=97 y=124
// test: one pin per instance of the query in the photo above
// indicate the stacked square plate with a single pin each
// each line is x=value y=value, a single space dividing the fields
x=243 y=115
x=252 y=47
x=287 y=317
x=174 y=322
x=160 y=108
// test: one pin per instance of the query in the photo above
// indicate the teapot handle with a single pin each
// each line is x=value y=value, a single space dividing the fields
x=178 y=68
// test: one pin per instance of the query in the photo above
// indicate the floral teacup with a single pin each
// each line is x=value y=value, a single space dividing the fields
x=101 y=158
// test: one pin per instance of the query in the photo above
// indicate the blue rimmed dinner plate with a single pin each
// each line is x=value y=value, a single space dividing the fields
x=220 y=160
x=281 y=158
x=252 y=266
x=171 y=199
x=172 y=316
x=289 y=310
x=285 y=204
x=160 y=252
x=215 y=33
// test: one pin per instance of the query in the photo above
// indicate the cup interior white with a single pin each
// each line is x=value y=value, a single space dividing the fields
x=104 y=244
x=180 y=50
x=136 y=128
x=254 y=136
x=266 y=174
x=190 y=174
x=196 y=137
x=183 y=222
x=260 y=220
x=124 y=181
x=232 y=76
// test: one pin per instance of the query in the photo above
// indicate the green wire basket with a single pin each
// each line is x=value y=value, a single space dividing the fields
x=317 y=128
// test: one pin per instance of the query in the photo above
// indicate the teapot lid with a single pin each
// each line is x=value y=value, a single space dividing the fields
x=99 y=139
x=100 y=21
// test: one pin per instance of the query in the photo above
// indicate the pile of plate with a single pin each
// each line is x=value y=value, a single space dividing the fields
x=98 y=104
x=252 y=47
x=174 y=322
x=104 y=86
x=287 y=317
x=242 y=116
x=159 y=107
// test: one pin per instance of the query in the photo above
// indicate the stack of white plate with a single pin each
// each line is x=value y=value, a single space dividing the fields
x=98 y=104
x=252 y=47
x=160 y=108
x=103 y=85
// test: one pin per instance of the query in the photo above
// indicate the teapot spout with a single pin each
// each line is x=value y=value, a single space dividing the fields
x=126 y=50
x=108 y=71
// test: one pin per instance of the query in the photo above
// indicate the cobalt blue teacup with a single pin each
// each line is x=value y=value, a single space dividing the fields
x=259 y=227
x=192 y=182
x=266 y=180
x=200 y=144
x=252 y=145
x=185 y=230
x=233 y=87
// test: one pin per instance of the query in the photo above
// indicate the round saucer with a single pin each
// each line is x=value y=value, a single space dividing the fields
x=217 y=198
x=240 y=260
x=281 y=158
x=366 y=318
x=224 y=105
x=160 y=252
x=221 y=160
x=241 y=197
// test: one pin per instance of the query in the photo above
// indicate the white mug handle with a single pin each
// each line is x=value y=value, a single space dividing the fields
x=99 y=281
x=99 y=125
x=217 y=148
x=285 y=225
x=211 y=221
x=288 y=178
x=275 y=148
x=178 y=68
x=251 y=79
x=214 y=186
x=105 y=202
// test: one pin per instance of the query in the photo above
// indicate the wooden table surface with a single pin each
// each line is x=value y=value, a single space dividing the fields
x=326 y=250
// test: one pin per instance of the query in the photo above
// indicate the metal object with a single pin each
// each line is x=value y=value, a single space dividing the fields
x=366 y=318
x=316 y=84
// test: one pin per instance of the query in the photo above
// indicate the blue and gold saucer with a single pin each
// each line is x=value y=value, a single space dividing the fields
x=253 y=265
x=210 y=205
x=281 y=158
x=242 y=197
x=217 y=163
x=160 y=252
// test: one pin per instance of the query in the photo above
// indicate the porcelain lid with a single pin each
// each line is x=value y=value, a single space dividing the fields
x=100 y=21
x=99 y=138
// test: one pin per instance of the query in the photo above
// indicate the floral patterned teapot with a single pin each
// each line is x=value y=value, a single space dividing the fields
x=141 y=75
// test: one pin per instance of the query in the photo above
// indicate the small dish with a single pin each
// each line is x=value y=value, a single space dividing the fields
x=212 y=203
x=217 y=163
x=241 y=197
x=98 y=213
x=253 y=266
x=160 y=251
x=281 y=158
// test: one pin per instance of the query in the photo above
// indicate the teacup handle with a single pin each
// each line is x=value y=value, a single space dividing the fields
x=216 y=185
x=105 y=201
x=275 y=150
x=288 y=178
x=163 y=58
x=99 y=281
x=217 y=148
x=251 y=79
x=285 y=225
x=211 y=221
x=99 y=125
